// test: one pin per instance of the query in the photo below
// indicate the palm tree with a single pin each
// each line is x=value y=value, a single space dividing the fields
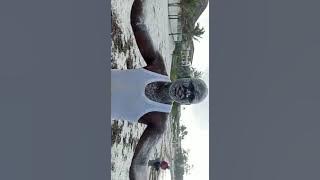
x=191 y=2
x=197 y=32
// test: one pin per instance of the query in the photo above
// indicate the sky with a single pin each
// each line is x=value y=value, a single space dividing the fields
x=196 y=117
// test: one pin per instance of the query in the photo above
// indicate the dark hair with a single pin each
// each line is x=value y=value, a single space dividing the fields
x=201 y=90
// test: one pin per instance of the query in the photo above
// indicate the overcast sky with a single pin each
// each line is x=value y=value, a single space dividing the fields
x=196 y=117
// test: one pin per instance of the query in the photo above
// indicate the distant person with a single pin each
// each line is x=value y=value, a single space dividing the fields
x=157 y=164
x=145 y=95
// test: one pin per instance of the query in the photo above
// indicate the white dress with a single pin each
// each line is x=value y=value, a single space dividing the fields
x=128 y=99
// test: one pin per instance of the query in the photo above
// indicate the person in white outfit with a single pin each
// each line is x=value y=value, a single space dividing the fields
x=145 y=95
